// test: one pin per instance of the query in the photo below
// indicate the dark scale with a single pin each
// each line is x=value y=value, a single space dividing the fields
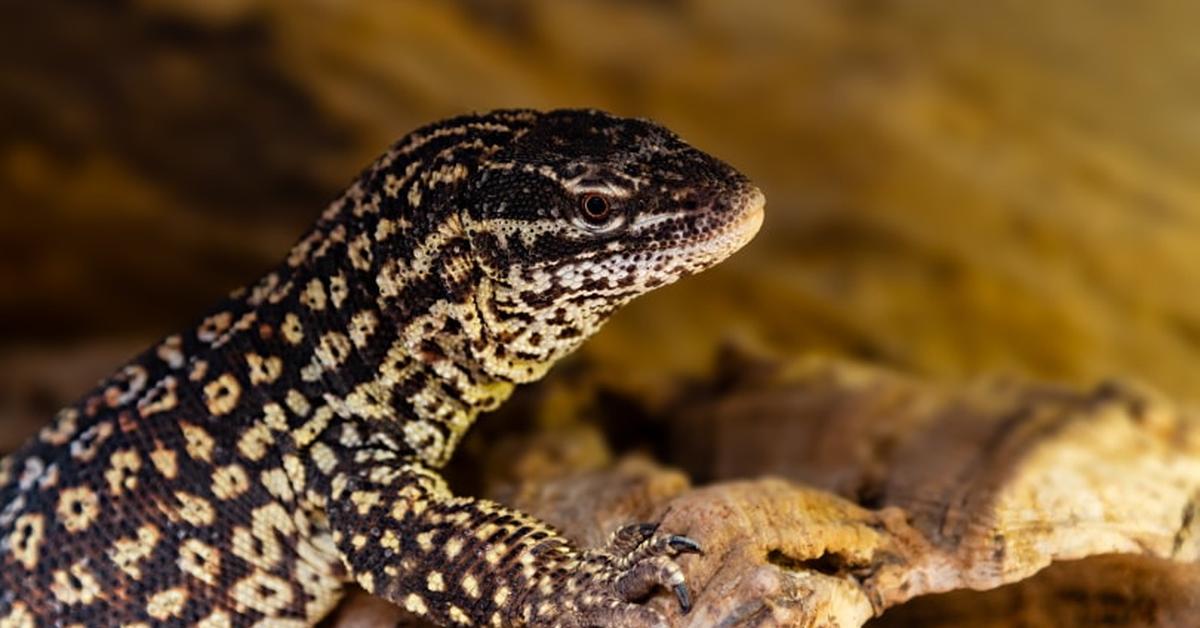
x=288 y=443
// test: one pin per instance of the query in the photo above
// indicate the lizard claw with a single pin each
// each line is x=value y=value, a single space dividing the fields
x=611 y=584
x=685 y=598
x=684 y=545
x=645 y=529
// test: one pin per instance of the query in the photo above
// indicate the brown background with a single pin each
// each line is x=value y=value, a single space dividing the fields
x=953 y=187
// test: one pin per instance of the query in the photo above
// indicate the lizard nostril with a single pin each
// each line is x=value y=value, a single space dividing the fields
x=702 y=198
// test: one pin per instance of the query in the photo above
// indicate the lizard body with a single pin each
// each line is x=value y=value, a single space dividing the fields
x=242 y=471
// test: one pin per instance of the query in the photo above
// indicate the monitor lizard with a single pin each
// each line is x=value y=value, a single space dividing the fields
x=242 y=472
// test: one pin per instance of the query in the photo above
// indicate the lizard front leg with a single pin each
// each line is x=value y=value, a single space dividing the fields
x=464 y=561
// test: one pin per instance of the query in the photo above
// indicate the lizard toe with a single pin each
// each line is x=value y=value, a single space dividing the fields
x=629 y=538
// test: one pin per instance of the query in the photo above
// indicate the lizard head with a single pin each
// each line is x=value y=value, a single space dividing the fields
x=583 y=212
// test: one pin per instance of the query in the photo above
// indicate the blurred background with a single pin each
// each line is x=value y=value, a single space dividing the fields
x=953 y=188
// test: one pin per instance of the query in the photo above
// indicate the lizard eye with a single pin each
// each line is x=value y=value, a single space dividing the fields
x=595 y=209
x=597 y=214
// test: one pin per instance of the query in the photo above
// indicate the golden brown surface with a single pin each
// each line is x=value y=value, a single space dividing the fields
x=953 y=189
x=954 y=499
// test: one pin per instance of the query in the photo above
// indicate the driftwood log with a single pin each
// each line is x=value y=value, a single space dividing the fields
x=841 y=495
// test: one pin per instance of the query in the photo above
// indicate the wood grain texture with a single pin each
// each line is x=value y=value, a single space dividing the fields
x=1005 y=502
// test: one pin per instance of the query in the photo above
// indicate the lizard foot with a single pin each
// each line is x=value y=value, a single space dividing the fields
x=608 y=584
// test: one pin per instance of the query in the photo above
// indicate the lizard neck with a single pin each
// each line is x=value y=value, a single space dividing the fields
x=392 y=341
x=380 y=315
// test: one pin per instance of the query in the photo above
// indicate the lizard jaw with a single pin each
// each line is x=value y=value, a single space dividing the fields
x=750 y=220
x=746 y=218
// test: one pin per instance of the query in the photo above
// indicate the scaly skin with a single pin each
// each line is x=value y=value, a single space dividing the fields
x=247 y=468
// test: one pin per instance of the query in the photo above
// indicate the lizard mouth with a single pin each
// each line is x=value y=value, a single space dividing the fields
x=745 y=218
x=750 y=217
x=729 y=224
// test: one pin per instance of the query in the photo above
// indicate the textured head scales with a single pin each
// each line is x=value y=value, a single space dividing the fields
x=582 y=212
